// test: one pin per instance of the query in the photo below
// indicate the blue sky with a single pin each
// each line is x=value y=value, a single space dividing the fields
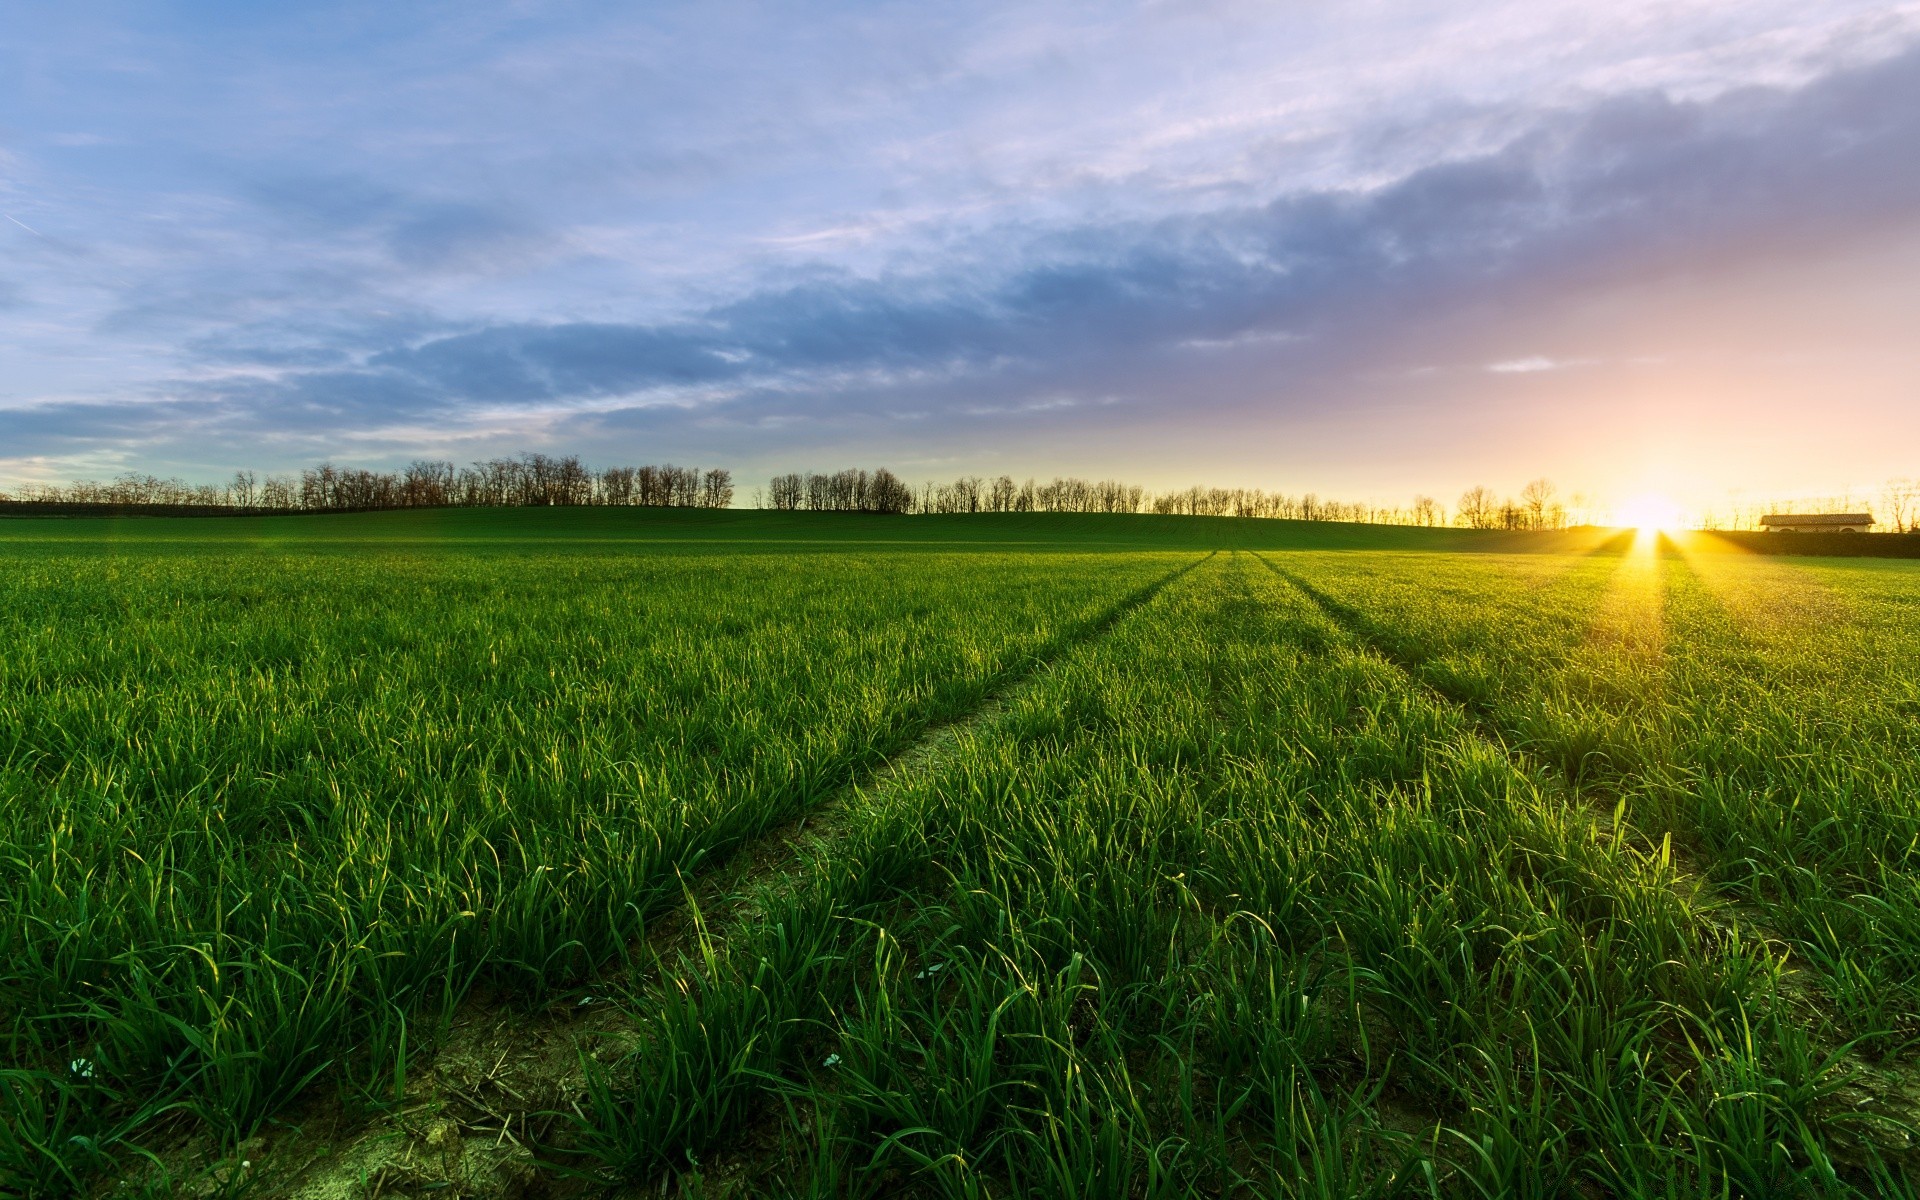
x=1366 y=249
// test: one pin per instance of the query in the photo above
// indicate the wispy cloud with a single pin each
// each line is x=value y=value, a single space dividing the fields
x=1535 y=363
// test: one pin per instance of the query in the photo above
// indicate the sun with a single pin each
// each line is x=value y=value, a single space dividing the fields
x=1650 y=512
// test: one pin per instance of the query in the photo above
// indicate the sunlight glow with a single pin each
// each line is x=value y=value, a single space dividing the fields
x=1650 y=512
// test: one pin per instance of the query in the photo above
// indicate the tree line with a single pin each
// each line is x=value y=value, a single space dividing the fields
x=878 y=491
x=542 y=480
x=881 y=491
x=530 y=480
x=1901 y=500
x=1896 y=511
x=1538 y=507
x=1255 y=502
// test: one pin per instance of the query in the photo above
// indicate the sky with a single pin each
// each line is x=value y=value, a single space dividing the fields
x=1362 y=249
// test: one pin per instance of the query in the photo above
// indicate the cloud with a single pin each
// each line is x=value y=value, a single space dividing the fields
x=328 y=204
x=1534 y=364
x=521 y=363
x=61 y=427
x=1580 y=198
x=456 y=236
x=1008 y=317
x=414 y=232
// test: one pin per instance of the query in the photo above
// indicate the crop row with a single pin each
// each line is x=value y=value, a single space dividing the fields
x=1763 y=713
x=1227 y=901
x=267 y=819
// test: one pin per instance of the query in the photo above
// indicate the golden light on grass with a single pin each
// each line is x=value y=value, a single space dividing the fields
x=1630 y=617
x=1764 y=595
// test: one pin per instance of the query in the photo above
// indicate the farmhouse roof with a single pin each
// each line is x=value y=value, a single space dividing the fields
x=1817 y=519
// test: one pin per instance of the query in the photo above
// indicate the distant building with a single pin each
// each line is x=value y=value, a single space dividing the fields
x=1817 y=522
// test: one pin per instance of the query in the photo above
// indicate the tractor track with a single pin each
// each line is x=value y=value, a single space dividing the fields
x=1599 y=805
x=1725 y=917
x=494 y=1090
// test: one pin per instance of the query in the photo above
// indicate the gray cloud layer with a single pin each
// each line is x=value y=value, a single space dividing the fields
x=1581 y=198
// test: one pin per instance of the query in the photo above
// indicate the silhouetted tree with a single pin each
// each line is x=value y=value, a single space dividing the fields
x=787 y=492
x=1542 y=510
x=1478 y=509
x=1902 y=502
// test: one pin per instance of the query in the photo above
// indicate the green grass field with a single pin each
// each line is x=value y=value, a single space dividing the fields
x=726 y=854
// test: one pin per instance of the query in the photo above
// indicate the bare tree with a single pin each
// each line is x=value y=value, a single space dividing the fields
x=1003 y=494
x=1540 y=507
x=427 y=483
x=244 y=490
x=1902 y=500
x=787 y=492
x=1478 y=509
x=616 y=485
x=886 y=493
